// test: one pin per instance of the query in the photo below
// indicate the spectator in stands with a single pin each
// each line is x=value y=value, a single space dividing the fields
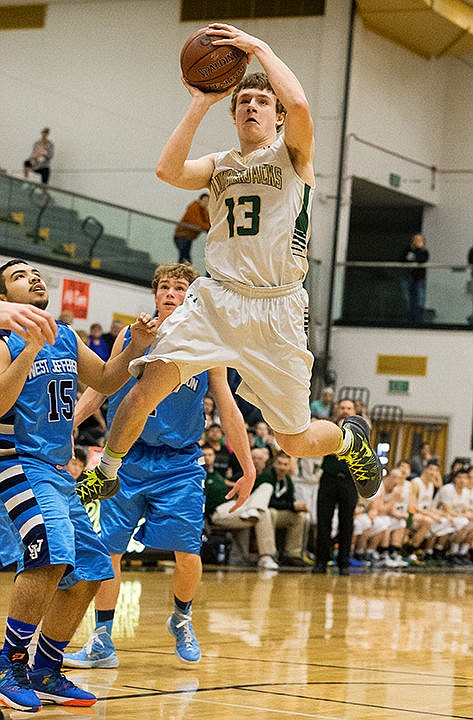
x=322 y=408
x=67 y=317
x=469 y=283
x=210 y=411
x=336 y=489
x=423 y=506
x=264 y=437
x=111 y=336
x=84 y=336
x=420 y=460
x=405 y=467
x=286 y=511
x=213 y=436
x=413 y=283
x=97 y=342
x=253 y=512
x=454 y=499
x=457 y=464
x=40 y=158
x=196 y=214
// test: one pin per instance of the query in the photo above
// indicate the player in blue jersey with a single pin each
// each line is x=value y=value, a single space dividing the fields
x=161 y=481
x=63 y=560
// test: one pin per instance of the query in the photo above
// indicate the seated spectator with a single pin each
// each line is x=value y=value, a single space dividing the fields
x=234 y=468
x=253 y=512
x=213 y=436
x=405 y=467
x=420 y=459
x=457 y=464
x=210 y=411
x=393 y=512
x=112 y=334
x=322 y=408
x=83 y=336
x=66 y=317
x=97 y=342
x=264 y=436
x=40 y=159
x=454 y=500
x=286 y=511
x=423 y=506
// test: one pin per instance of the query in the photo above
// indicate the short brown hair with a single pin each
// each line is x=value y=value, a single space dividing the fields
x=174 y=270
x=260 y=81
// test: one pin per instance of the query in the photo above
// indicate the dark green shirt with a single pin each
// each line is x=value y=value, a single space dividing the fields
x=215 y=491
x=283 y=493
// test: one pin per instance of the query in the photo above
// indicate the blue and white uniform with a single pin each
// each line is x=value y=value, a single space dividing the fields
x=37 y=493
x=162 y=476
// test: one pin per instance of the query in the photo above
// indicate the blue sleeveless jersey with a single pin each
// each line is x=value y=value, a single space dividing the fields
x=178 y=420
x=44 y=410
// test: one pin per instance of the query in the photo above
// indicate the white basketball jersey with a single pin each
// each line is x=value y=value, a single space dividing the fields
x=260 y=218
x=426 y=494
x=448 y=495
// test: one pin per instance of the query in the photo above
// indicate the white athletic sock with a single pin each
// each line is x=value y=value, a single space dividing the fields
x=110 y=465
x=346 y=442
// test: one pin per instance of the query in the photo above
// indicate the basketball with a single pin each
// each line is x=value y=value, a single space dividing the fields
x=211 y=68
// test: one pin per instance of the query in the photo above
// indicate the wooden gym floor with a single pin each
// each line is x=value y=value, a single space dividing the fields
x=379 y=646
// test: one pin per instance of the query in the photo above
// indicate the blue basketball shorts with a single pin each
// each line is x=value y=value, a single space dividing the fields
x=53 y=525
x=11 y=547
x=164 y=486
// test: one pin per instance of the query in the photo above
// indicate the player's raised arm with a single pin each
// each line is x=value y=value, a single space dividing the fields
x=299 y=129
x=174 y=167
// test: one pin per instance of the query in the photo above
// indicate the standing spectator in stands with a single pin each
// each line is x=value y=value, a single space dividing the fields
x=112 y=334
x=286 y=511
x=322 y=408
x=413 y=283
x=420 y=460
x=336 y=489
x=97 y=342
x=196 y=214
x=40 y=158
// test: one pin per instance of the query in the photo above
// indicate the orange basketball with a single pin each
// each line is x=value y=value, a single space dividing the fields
x=211 y=68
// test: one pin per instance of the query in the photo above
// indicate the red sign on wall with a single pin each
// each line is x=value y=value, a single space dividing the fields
x=75 y=297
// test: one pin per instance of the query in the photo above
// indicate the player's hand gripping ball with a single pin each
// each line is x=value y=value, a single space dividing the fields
x=211 y=68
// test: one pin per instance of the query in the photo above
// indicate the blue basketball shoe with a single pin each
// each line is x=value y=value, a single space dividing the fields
x=53 y=686
x=98 y=652
x=187 y=647
x=15 y=685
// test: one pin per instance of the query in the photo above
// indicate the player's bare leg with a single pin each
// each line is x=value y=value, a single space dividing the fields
x=350 y=442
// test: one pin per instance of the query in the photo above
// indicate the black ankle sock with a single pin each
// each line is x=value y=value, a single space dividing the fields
x=104 y=615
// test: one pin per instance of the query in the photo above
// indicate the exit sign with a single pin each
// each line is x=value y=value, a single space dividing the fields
x=394 y=180
x=398 y=387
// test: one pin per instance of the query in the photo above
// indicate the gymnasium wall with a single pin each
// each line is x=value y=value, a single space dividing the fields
x=104 y=76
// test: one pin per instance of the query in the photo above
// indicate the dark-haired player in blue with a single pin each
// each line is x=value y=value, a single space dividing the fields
x=161 y=480
x=37 y=396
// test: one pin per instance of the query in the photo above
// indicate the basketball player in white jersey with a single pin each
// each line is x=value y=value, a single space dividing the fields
x=250 y=313
x=454 y=499
x=423 y=507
